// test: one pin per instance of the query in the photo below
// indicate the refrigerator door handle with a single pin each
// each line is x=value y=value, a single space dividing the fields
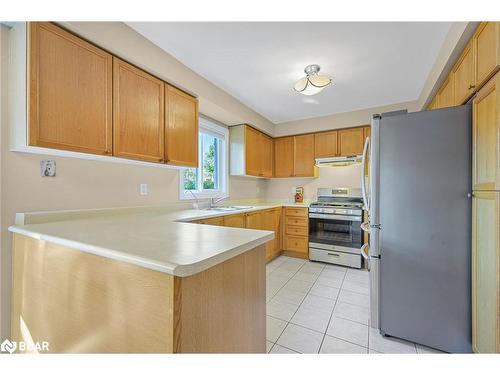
x=363 y=179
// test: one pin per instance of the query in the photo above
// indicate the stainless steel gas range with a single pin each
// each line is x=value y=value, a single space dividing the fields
x=335 y=234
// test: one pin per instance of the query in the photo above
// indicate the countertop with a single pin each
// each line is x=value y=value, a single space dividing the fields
x=157 y=238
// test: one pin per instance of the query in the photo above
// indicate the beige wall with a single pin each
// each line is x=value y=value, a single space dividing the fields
x=284 y=188
x=93 y=184
x=339 y=120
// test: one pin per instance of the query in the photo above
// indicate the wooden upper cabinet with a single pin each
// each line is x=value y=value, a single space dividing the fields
x=283 y=157
x=138 y=112
x=485 y=133
x=351 y=141
x=433 y=104
x=487 y=48
x=325 y=144
x=267 y=152
x=303 y=156
x=70 y=92
x=181 y=128
x=463 y=76
x=252 y=151
x=446 y=94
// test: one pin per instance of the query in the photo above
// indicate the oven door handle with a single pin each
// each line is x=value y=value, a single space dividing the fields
x=365 y=250
x=335 y=217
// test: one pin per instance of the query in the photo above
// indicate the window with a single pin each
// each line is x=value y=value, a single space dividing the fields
x=209 y=180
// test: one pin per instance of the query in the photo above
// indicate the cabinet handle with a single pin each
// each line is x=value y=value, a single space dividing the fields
x=161 y=160
x=472 y=87
x=107 y=152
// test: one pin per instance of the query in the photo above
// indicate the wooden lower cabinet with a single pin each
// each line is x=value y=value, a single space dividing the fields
x=235 y=221
x=212 y=221
x=267 y=220
x=295 y=238
x=486 y=272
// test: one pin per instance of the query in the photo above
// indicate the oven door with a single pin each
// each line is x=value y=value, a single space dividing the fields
x=341 y=231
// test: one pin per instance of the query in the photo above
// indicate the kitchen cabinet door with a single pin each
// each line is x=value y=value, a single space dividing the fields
x=446 y=93
x=303 y=153
x=219 y=221
x=485 y=136
x=138 y=114
x=487 y=49
x=283 y=157
x=181 y=128
x=254 y=220
x=463 y=76
x=276 y=213
x=325 y=144
x=351 y=141
x=70 y=92
x=485 y=272
x=252 y=151
x=267 y=150
x=235 y=221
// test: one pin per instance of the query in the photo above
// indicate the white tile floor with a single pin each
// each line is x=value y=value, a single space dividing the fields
x=322 y=308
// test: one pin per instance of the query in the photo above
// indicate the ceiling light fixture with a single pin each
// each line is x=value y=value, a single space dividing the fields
x=313 y=82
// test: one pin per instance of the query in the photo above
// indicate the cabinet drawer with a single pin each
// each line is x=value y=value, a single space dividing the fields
x=297 y=221
x=300 y=212
x=295 y=243
x=297 y=231
x=344 y=259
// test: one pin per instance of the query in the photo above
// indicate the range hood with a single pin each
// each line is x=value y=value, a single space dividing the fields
x=338 y=161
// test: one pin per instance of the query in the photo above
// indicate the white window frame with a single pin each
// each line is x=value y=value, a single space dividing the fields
x=211 y=127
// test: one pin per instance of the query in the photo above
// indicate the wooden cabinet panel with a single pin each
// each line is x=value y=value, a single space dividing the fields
x=296 y=221
x=351 y=141
x=325 y=144
x=235 y=221
x=486 y=273
x=296 y=231
x=300 y=212
x=304 y=163
x=295 y=243
x=485 y=137
x=181 y=128
x=138 y=113
x=70 y=92
x=252 y=151
x=433 y=104
x=213 y=221
x=283 y=157
x=487 y=48
x=254 y=220
x=446 y=93
x=277 y=215
x=266 y=155
x=463 y=76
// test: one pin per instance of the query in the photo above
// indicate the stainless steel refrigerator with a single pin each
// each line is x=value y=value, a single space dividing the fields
x=419 y=253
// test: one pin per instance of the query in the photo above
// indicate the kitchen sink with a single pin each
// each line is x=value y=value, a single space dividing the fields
x=229 y=208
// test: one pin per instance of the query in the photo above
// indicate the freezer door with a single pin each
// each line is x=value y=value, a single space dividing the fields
x=425 y=220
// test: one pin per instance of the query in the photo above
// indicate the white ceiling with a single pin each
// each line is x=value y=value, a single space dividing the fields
x=371 y=64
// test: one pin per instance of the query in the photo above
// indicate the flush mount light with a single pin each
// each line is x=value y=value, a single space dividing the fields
x=313 y=82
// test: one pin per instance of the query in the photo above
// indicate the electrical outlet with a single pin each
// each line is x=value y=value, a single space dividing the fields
x=48 y=168
x=143 y=189
x=258 y=190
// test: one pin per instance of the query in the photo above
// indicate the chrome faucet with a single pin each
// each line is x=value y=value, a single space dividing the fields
x=214 y=201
